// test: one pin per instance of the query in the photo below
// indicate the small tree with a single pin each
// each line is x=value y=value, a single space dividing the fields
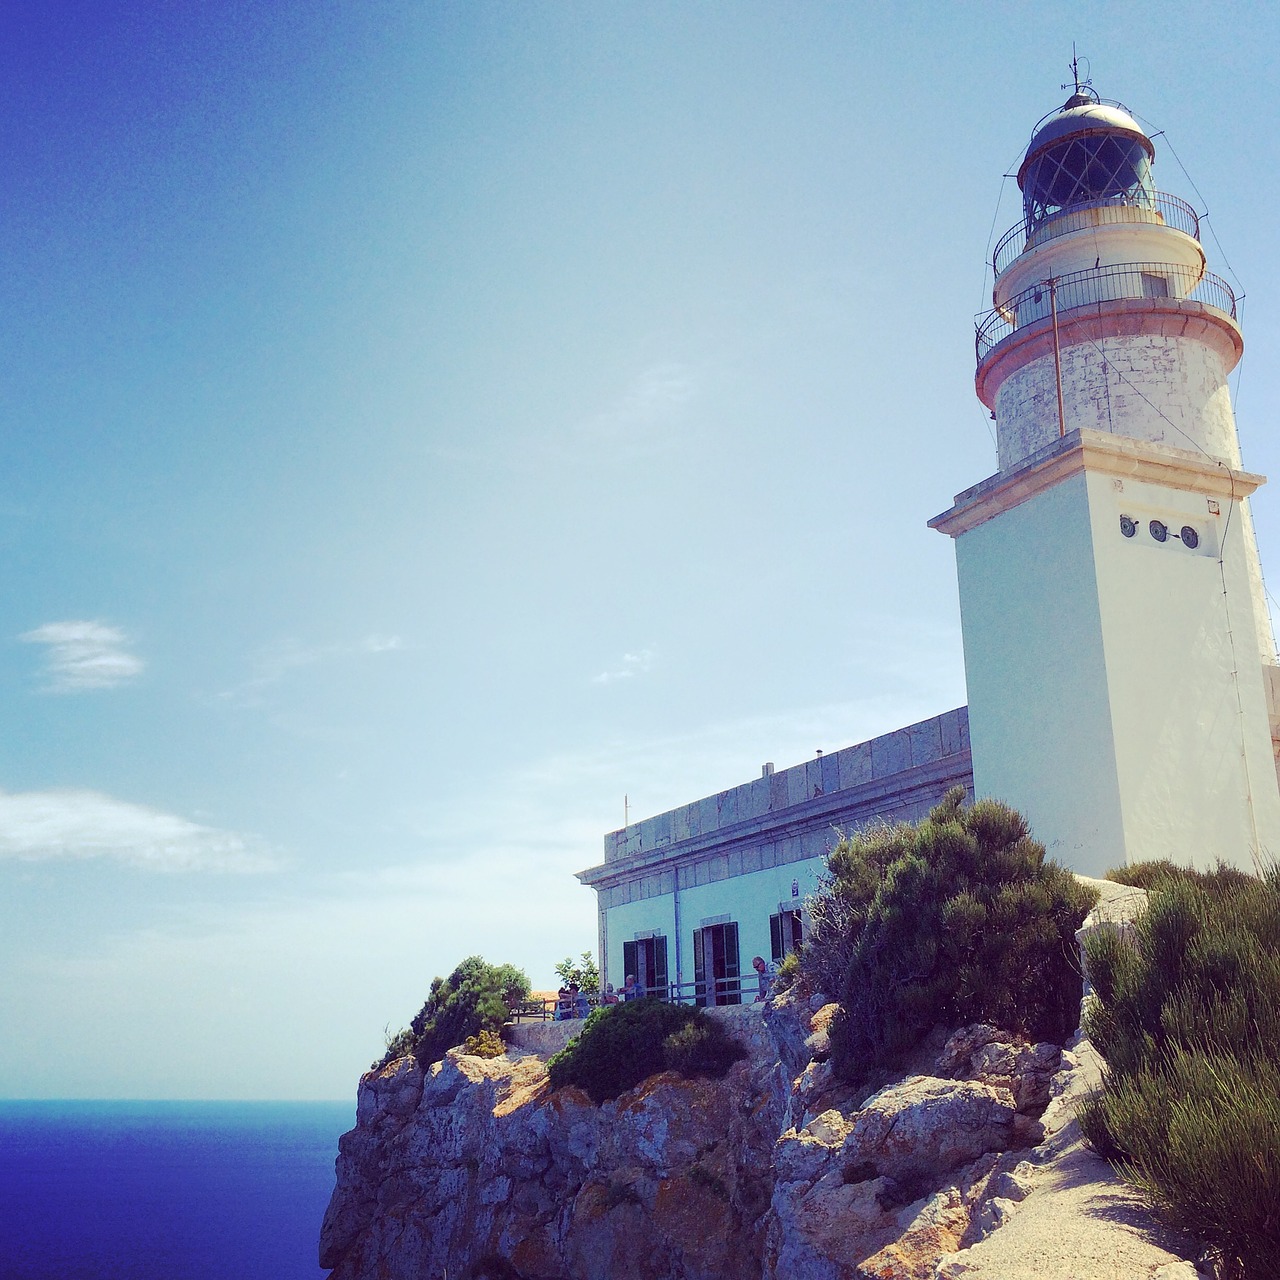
x=581 y=973
x=475 y=997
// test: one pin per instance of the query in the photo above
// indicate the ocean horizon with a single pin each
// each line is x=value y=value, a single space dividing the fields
x=135 y=1190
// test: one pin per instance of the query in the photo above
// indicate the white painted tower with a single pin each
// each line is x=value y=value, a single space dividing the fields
x=1118 y=651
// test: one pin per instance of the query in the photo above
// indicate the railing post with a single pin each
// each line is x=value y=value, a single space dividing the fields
x=1057 y=355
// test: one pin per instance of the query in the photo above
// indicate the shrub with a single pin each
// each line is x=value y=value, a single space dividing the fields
x=475 y=997
x=1188 y=1020
x=1150 y=875
x=621 y=1045
x=788 y=971
x=399 y=1045
x=484 y=1044
x=958 y=919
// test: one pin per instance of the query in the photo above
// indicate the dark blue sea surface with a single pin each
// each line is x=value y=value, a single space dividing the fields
x=165 y=1190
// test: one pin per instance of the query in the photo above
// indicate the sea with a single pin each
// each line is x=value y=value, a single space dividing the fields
x=166 y=1190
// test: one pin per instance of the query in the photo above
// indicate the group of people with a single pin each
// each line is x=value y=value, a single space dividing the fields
x=572 y=1002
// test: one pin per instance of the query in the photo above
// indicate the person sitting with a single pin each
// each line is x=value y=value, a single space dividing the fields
x=633 y=990
x=768 y=975
x=564 y=1009
x=610 y=996
x=581 y=1005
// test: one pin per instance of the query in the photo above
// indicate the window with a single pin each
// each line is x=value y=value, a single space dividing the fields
x=785 y=934
x=1154 y=286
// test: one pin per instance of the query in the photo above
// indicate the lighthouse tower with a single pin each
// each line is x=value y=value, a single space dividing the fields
x=1118 y=651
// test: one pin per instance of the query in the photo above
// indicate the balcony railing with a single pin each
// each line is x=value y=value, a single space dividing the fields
x=1160 y=210
x=1155 y=281
x=711 y=991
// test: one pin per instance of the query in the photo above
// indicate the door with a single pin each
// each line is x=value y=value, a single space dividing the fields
x=646 y=958
x=715 y=965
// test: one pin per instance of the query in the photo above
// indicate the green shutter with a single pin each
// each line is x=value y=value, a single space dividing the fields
x=660 y=966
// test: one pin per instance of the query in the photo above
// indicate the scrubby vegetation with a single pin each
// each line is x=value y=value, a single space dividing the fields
x=1188 y=1020
x=623 y=1044
x=474 y=998
x=957 y=919
x=1151 y=875
x=484 y=1044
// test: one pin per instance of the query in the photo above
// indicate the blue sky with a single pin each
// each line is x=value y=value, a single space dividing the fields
x=423 y=424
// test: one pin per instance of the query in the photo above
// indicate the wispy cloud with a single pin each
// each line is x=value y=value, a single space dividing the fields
x=277 y=661
x=632 y=665
x=647 y=414
x=647 y=411
x=42 y=826
x=82 y=655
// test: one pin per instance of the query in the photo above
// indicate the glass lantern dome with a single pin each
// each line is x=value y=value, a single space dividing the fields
x=1086 y=153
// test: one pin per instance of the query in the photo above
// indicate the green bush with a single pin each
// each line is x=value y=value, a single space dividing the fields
x=484 y=1044
x=1188 y=1020
x=958 y=919
x=475 y=997
x=788 y=971
x=621 y=1045
x=1150 y=875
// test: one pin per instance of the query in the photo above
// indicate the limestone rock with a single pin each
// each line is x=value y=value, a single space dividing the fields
x=476 y=1168
x=925 y=1124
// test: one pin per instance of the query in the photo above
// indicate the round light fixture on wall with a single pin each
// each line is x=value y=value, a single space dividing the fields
x=1190 y=538
x=1127 y=526
x=1159 y=530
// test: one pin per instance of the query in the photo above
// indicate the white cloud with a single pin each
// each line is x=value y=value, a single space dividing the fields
x=632 y=665
x=40 y=826
x=84 y=655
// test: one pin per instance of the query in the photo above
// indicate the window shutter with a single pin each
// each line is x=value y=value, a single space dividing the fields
x=775 y=937
x=731 y=968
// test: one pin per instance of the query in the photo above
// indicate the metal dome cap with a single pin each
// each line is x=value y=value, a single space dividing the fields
x=1087 y=152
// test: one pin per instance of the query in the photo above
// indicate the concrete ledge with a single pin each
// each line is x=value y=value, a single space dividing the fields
x=542 y=1038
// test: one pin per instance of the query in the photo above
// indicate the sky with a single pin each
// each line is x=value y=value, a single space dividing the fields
x=424 y=424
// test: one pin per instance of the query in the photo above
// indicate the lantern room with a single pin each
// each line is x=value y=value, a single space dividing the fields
x=1086 y=153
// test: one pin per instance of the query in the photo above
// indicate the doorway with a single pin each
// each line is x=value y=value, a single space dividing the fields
x=716 y=972
x=646 y=960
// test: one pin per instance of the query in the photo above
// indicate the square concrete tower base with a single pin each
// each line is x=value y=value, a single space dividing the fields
x=1116 y=691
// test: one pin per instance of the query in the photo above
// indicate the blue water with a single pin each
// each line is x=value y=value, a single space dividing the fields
x=165 y=1190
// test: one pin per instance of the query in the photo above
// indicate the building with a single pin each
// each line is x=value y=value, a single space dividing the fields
x=1119 y=657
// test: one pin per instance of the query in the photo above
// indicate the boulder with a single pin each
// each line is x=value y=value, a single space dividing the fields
x=925 y=1127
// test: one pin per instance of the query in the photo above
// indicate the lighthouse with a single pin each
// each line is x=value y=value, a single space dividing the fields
x=1119 y=656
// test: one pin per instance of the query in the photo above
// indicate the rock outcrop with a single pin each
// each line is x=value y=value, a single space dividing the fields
x=970 y=1168
x=475 y=1168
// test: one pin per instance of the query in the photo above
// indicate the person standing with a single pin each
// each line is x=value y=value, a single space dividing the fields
x=767 y=975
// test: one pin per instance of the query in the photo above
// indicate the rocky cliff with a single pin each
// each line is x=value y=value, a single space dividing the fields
x=474 y=1168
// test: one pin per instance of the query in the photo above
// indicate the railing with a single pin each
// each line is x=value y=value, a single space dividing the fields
x=545 y=1010
x=1151 y=280
x=740 y=990
x=1160 y=209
